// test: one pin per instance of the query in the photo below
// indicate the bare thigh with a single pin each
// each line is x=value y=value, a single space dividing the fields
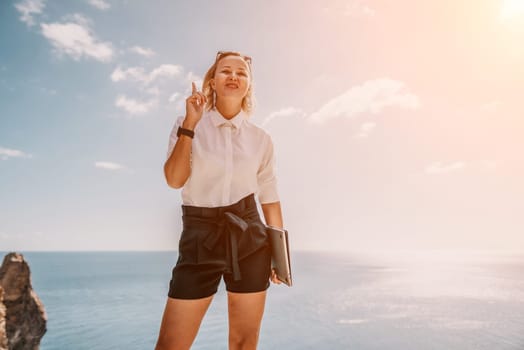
x=245 y=317
x=180 y=322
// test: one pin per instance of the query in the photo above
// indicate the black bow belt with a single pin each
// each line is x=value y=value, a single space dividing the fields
x=242 y=237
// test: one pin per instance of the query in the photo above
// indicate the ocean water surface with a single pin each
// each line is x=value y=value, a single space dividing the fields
x=115 y=300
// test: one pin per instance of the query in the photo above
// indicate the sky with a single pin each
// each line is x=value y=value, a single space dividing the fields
x=397 y=125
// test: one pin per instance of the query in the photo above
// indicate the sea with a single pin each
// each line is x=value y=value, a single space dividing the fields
x=115 y=300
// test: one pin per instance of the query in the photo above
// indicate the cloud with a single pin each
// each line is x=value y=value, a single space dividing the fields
x=352 y=321
x=151 y=86
x=441 y=168
x=76 y=40
x=165 y=70
x=138 y=73
x=365 y=129
x=282 y=113
x=133 y=106
x=153 y=91
x=79 y=19
x=358 y=9
x=174 y=97
x=354 y=8
x=190 y=77
x=108 y=165
x=99 y=4
x=148 y=86
x=187 y=89
x=370 y=97
x=6 y=153
x=133 y=73
x=142 y=51
x=28 y=8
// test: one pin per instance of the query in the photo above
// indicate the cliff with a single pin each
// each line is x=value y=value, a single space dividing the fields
x=3 y=336
x=21 y=312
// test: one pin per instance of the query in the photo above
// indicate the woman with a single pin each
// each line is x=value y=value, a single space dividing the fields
x=222 y=161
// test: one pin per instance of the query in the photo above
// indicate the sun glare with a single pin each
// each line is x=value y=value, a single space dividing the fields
x=512 y=8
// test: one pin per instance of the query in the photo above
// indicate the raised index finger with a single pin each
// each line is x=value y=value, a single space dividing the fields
x=193 y=87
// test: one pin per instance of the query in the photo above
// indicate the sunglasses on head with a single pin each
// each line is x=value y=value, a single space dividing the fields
x=221 y=54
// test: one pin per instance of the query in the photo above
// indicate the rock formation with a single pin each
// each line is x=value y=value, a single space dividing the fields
x=25 y=317
x=3 y=336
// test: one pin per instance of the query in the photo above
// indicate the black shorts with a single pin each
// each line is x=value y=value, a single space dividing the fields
x=229 y=242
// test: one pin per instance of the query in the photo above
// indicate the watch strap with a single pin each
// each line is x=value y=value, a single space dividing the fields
x=187 y=132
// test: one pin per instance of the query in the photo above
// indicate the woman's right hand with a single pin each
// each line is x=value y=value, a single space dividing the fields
x=194 y=107
x=274 y=277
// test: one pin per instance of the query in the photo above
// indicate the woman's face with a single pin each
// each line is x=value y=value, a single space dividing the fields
x=232 y=78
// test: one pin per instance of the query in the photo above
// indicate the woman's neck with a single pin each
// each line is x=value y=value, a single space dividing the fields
x=228 y=108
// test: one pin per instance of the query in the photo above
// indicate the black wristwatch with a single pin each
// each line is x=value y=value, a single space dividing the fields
x=187 y=132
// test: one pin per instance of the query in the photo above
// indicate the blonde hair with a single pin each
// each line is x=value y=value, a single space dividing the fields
x=247 y=102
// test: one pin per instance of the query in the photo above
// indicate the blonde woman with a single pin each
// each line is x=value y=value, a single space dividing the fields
x=221 y=161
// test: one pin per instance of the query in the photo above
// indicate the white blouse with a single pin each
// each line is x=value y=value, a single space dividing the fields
x=230 y=159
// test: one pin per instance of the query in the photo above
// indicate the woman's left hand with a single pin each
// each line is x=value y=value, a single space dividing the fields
x=274 y=277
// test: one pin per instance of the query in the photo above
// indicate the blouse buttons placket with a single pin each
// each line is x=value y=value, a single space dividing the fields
x=229 y=163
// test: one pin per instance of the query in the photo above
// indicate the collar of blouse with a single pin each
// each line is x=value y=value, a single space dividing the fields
x=218 y=120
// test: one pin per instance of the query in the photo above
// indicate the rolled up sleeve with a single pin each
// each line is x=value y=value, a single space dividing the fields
x=173 y=137
x=266 y=175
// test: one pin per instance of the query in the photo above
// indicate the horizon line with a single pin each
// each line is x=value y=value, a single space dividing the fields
x=320 y=250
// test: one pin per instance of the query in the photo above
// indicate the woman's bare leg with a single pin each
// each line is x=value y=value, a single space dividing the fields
x=180 y=323
x=245 y=317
